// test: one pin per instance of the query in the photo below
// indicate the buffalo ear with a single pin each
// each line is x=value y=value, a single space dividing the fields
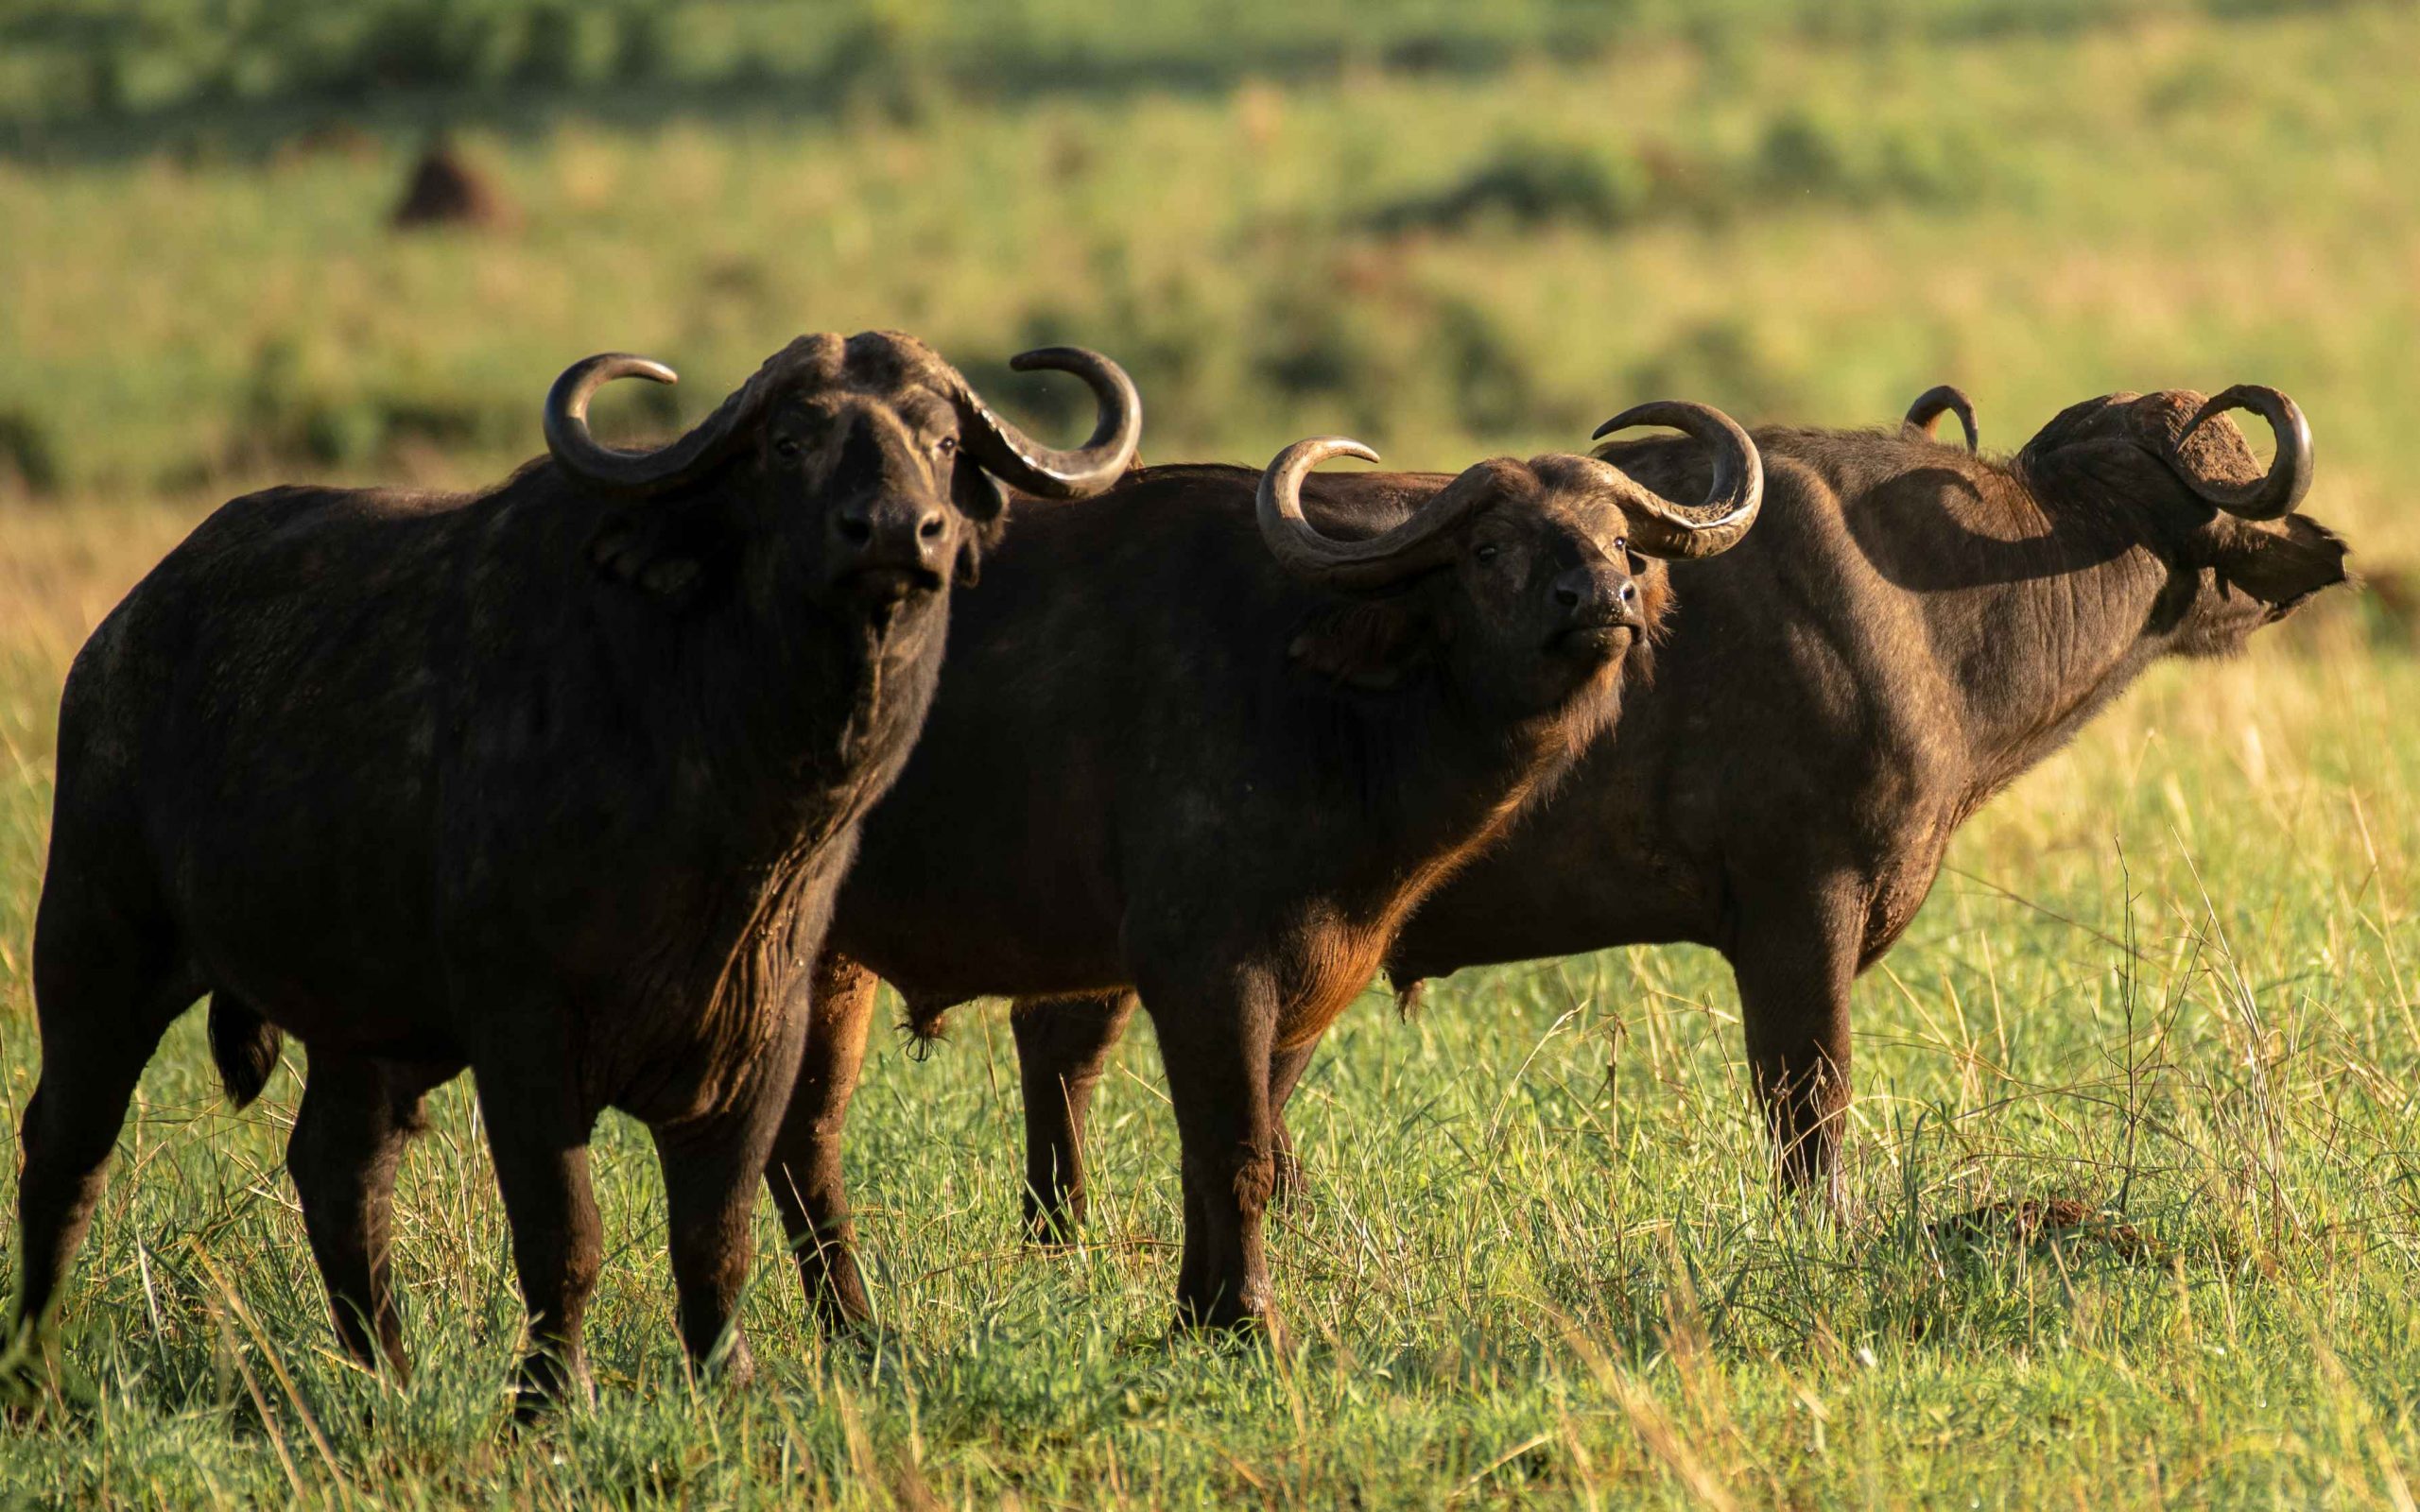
x=2279 y=562
x=976 y=496
x=663 y=553
x=975 y=493
x=1375 y=644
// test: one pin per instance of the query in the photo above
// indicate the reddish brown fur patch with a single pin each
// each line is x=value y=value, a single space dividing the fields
x=2031 y=1221
x=1351 y=955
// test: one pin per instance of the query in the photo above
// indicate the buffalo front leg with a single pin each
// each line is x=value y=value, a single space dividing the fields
x=103 y=996
x=711 y=1168
x=1795 y=967
x=539 y=1125
x=1216 y=1045
x=357 y=1115
x=1063 y=1048
x=98 y=1031
x=804 y=1168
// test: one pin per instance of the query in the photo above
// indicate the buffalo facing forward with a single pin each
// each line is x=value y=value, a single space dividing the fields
x=555 y=781
x=1204 y=749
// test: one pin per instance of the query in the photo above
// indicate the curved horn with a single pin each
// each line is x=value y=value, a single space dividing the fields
x=1356 y=565
x=585 y=457
x=1942 y=399
x=1009 y=455
x=1659 y=527
x=2290 y=471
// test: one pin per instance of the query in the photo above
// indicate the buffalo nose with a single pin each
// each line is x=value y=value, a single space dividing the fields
x=1593 y=595
x=889 y=533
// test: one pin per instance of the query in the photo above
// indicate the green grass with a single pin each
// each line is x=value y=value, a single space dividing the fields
x=2173 y=975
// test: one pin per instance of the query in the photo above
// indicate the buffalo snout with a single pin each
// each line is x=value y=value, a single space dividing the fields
x=891 y=539
x=1596 y=600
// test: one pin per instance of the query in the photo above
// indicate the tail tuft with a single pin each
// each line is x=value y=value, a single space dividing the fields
x=244 y=1044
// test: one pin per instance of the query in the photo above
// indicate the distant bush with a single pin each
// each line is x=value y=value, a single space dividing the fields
x=288 y=418
x=68 y=61
x=1527 y=183
x=1603 y=186
x=28 y=461
x=1726 y=356
x=1809 y=155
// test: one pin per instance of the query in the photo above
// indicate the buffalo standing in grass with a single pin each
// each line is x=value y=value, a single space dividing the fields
x=1197 y=747
x=1910 y=627
x=555 y=781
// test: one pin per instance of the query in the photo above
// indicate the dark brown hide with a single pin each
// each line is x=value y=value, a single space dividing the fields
x=1166 y=763
x=555 y=781
x=1907 y=630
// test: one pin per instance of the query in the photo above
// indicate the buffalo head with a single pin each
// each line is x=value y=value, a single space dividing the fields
x=1527 y=580
x=868 y=458
x=2171 y=472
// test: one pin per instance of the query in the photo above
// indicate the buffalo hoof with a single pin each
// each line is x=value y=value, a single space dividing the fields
x=835 y=1288
x=842 y=1308
x=547 y=1386
x=1053 y=1226
x=37 y=1380
x=1229 y=1327
x=735 y=1369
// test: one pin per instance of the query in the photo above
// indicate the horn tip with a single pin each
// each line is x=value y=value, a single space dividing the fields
x=1653 y=412
x=615 y=365
x=1058 y=360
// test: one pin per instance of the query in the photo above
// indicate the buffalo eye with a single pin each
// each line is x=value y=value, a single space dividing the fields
x=1621 y=543
x=1489 y=552
x=946 y=446
x=786 y=446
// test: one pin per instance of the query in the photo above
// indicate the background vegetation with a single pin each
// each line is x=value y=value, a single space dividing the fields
x=2170 y=975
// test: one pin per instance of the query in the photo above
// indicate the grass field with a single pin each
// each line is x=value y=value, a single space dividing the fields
x=2173 y=975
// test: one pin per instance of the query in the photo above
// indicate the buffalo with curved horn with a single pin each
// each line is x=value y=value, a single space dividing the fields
x=1211 y=746
x=555 y=781
x=1909 y=629
x=1942 y=399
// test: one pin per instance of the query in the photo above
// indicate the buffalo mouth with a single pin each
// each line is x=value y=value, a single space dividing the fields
x=886 y=593
x=1600 y=640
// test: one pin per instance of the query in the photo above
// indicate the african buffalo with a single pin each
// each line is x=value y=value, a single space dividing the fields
x=1911 y=628
x=1198 y=748
x=555 y=781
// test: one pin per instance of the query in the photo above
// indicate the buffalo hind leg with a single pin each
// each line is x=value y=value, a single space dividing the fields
x=1286 y=1068
x=357 y=1115
x=1215 y=1046
x=1063 y=1048
x=805 y=1170
x=539 y=1127
x=1795 y=966
x=712 y=1171
x=102 y=997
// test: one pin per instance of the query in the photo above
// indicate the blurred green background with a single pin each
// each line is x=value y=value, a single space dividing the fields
x=1440 y=227
x=2170 y=975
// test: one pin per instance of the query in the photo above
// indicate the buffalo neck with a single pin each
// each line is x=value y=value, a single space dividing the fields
x=1444 y=769
x=2035 y=655
x=787 y=712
